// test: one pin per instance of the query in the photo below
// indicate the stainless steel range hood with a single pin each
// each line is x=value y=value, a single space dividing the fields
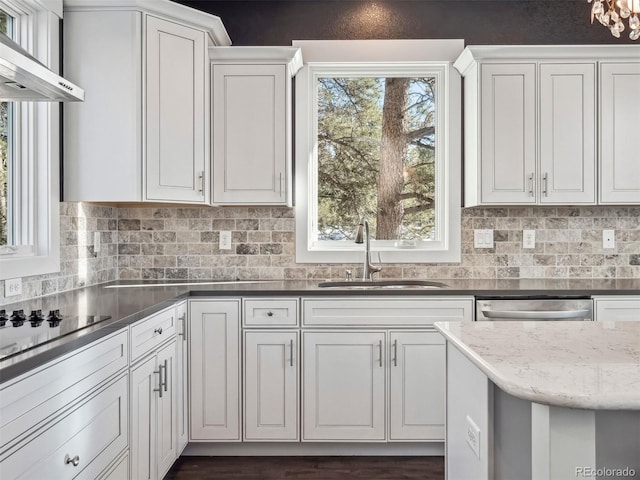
x=24 y=78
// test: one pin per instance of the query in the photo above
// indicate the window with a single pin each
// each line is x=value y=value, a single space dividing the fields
x=6 y=149
x=378 y=136
x=29 y=151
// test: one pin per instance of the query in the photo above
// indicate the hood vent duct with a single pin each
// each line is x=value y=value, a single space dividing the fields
x=24 y=78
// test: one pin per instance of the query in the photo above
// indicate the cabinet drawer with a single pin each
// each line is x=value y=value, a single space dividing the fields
x=392 y=312
x=260 y=312
x=118 y=471
x=38 y=395
x=617 y=308
x=94 y=433
x=150 y=332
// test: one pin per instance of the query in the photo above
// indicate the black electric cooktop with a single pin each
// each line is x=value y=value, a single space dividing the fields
x=22 y=332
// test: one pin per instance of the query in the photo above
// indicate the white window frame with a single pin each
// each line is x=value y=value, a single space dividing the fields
x=36 y=140
x=369 y=58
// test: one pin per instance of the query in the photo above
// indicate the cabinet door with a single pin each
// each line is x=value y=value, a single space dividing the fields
x=144 y=384
x=214 y=332
x=416 y=388
x=249 y=134
x=344 y=386
x=166 y=437
x=270 y=385
x=619 y=120
x=175 y=168
x=182 y=387
x=508 y=133
x=567 y=133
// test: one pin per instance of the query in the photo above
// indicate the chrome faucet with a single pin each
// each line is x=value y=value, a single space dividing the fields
x=362 y=236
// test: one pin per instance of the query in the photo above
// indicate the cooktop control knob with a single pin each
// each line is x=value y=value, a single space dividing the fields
x=3 y=318
x=54 y=318
x=36 y=318
x=18 y=318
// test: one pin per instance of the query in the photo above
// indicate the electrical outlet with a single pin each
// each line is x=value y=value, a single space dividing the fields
x=13 y=287
x=473 y=436
x=528 y=239
x=225 y=240
x=483 y=238
x=608 y=239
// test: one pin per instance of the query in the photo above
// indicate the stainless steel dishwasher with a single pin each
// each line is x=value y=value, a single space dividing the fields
x=534 y=308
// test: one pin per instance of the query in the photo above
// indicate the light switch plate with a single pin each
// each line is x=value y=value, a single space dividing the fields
x=483 y=238
x=225 y=240
x=13 y=287
x=528 y=239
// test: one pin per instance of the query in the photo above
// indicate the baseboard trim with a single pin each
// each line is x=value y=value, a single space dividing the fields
x=312 y=449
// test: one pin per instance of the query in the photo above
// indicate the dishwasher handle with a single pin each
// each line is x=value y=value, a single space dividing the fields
x=537 y=314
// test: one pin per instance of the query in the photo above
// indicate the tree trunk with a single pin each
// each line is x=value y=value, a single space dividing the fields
x=393 y=151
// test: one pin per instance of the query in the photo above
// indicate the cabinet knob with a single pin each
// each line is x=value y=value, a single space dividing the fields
x=158 y=331
x=269 y=314
x=75 y=461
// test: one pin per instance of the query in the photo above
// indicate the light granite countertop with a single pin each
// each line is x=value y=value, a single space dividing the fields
x=588 y=365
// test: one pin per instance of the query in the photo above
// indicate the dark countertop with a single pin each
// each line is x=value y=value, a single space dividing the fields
x=127 y=304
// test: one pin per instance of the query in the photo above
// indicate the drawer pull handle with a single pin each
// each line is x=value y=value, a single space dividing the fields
x=75 y=461
x=158 y=331
x=159 y=372
x=380 y=351
x=395 y=353
x=165 y=374
x=269 y=314
x=531 y=185
x=183 y=318
x=291 y=352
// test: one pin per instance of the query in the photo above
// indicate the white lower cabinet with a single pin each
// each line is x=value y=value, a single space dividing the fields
x=344 y=385
x=214 y=359
x=68 y=418
x=271 y=385
x=182 y=375
x=79 y=444
x=385 y=380
x=416 y=385
x=153 y=414
x=358 y=369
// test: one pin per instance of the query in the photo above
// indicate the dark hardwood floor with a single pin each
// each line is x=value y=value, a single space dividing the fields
x=307 y=468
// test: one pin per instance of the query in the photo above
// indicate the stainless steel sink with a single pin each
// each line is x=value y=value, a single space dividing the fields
x=386 y=284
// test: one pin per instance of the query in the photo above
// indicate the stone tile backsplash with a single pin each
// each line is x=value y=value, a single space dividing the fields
x=80 y=264
x=182 y=243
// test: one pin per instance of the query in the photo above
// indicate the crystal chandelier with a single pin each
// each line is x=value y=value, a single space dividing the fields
x=610 y=13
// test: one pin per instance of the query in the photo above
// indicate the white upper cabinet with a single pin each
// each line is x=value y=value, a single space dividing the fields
x=143 y=132
x=507 y=133
x=567 y=133
x=531 y=124
x=619 y=121
x=176 y=117
x=252 y=124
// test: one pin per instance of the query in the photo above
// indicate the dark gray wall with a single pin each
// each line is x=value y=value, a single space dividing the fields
x=268 y=22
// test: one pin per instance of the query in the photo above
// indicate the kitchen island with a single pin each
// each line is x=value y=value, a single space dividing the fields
x=542 y=400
